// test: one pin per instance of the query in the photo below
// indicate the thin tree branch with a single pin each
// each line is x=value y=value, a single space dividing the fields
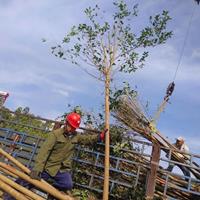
x=92 y=75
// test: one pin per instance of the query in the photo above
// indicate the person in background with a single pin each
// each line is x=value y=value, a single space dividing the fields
x=181 y=145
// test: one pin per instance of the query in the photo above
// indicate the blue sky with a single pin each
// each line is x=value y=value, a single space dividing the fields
x=46 y=84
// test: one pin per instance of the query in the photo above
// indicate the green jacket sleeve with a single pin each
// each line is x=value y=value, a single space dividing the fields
x=87 y=138
x=44 y=152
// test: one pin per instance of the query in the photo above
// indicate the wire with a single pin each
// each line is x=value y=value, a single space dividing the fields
x=184 y=43
x=164 y=103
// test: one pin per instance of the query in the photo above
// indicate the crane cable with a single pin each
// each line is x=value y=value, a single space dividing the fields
x=184 y=43
x=171 y=86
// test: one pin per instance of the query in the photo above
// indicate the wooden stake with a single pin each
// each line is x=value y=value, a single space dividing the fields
x=8 y=172
x=20 y=188
x=14 y=193
x=151 y=182
x=37 y=183
x=26 y=170
x=107 y=139
x=16 y=162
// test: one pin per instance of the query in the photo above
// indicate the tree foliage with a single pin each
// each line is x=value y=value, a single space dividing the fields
x=23 y=121
x=112 y=43
x=116 y=93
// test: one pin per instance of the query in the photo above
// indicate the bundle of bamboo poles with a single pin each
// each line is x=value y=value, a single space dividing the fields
x=18 y=170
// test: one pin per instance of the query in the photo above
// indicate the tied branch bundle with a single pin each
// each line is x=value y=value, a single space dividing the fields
x=130 y=113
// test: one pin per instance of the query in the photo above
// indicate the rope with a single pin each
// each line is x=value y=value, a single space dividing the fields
x=184 y=43
x=158 y=112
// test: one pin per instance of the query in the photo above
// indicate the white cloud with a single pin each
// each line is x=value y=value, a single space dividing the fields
x=196 y=53
x=62 y=92
x=193 y=143
x=162 y=64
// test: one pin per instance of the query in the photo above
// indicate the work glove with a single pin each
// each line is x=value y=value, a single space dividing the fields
x=35 y=175
x=186 y=158
x=102 y=135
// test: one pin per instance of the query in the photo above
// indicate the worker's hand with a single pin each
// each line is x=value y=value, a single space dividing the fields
x=186 y=158
x=102 y=135
x=35 y=175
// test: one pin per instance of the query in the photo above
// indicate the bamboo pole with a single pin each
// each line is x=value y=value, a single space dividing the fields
x=20 y=188
x=37 y=183
x=14 y=193
x=25 y=169
x=8 y=172
x=16 y=162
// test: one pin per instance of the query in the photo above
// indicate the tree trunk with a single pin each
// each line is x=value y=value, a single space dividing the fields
x=107 y=139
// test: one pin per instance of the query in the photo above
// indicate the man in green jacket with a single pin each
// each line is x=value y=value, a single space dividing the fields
x=54 y=159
